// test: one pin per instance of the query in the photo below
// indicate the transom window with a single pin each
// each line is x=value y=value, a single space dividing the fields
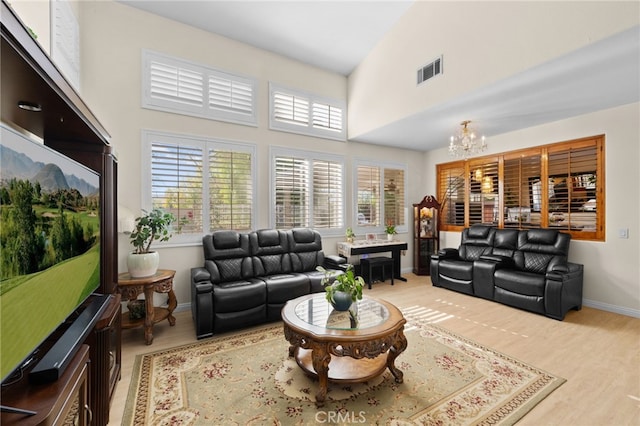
x=206 y=184
x=305 y=113
x=176 y=85
x=559 y=186
x=307 y=190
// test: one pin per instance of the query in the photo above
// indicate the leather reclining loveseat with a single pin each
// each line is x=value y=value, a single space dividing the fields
x=527 y=269
x=247 y=278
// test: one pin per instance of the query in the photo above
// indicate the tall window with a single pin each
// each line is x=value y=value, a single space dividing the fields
x=206 y=184
x=559 y=186
x=305 y=113
x=307 y=190
x=380 y=196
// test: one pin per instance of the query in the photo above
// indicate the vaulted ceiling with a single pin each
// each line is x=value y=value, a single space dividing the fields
x=337 y=36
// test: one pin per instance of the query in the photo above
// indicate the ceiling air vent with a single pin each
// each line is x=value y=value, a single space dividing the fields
x=430 y=70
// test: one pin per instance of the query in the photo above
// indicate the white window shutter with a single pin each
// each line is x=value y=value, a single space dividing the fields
x=176 y=182
x=175 y=84
x=327 y=194
x=230 y=189
x=182 y=87
x=291 y=192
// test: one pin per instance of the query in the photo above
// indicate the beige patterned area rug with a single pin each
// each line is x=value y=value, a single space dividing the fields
x=248 y=379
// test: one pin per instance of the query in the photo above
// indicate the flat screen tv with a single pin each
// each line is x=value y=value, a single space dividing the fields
x=49 y=244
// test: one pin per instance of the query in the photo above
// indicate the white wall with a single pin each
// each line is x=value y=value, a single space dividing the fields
x=112 y=38
x=481 y=42
x=37 y=16
x=612 y=267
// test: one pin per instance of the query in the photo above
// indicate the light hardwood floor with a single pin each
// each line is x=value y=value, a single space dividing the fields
x=597 y=352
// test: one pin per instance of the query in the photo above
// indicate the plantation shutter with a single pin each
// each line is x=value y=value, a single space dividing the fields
x=177 y=84
x=176 y=183
x=291 y=109
x=523 y=187
x=394 y=197
x=230 y=95
x=291 y=192
x=327 y=117
x=230 y=189
x=327 y=194
x=483 y=192
x=572 y=186
x=451 y=190
x=369 y=195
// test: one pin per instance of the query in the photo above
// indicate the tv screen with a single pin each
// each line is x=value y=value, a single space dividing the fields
x=49 y=243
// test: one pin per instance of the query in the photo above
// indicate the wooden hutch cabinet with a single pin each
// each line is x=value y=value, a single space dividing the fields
x=426 y=235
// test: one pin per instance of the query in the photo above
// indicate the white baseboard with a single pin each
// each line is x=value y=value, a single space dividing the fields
x=183 y=307
x=611 y=308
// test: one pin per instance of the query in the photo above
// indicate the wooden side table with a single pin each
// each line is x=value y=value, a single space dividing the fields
x=130 y=288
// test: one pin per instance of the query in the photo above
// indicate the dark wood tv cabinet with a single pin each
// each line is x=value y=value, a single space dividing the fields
x=63 y=402
x=106 y=361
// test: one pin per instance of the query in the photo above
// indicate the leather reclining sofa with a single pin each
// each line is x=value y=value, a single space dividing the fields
x=527 y=269
x=248 y=277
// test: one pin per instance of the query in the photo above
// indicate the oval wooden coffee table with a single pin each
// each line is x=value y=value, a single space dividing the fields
x=329 y=345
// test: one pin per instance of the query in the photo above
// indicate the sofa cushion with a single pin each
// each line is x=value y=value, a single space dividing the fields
x=476 y=241
x=225 y=244
x=305 y=246
x=542 y=236
x=281 y=288
x=233 y=269
x=268 y=241
x=227 y=256
x=239 y=295
x=520 y=282
x=456 y=269
x=270 y=252
x=540 y=250
x=505 y=242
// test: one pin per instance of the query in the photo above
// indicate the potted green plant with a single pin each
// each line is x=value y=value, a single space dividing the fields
x=344 y=289
x=350 y=235
x=390 y=230
x=151 y=226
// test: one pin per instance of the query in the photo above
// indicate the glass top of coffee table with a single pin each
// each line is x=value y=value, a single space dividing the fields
x=317 y=311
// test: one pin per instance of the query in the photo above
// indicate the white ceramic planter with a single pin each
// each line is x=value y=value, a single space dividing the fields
x=143 y=265
x=389 y=237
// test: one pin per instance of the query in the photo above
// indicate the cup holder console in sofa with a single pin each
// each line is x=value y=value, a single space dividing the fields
x=527 y=269
x=247 y=278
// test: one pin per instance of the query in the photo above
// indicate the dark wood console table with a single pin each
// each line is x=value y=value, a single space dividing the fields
x=376 y=246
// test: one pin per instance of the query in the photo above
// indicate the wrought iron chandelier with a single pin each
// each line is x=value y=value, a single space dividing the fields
x=465 y=142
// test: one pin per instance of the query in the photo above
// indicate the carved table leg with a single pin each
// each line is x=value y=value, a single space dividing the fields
x=173 y=302
x=396 y=349
x=150 y=315
x=321 y=358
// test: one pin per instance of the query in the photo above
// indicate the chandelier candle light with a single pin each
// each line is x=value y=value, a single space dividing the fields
x=465 y=142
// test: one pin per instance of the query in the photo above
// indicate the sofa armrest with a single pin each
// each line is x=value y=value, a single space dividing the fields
x=500 y=261
x=199 y=275
x=334 y=261
x=563 y=291
x=483 y=271
x=202 y=302
x=446 y=253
